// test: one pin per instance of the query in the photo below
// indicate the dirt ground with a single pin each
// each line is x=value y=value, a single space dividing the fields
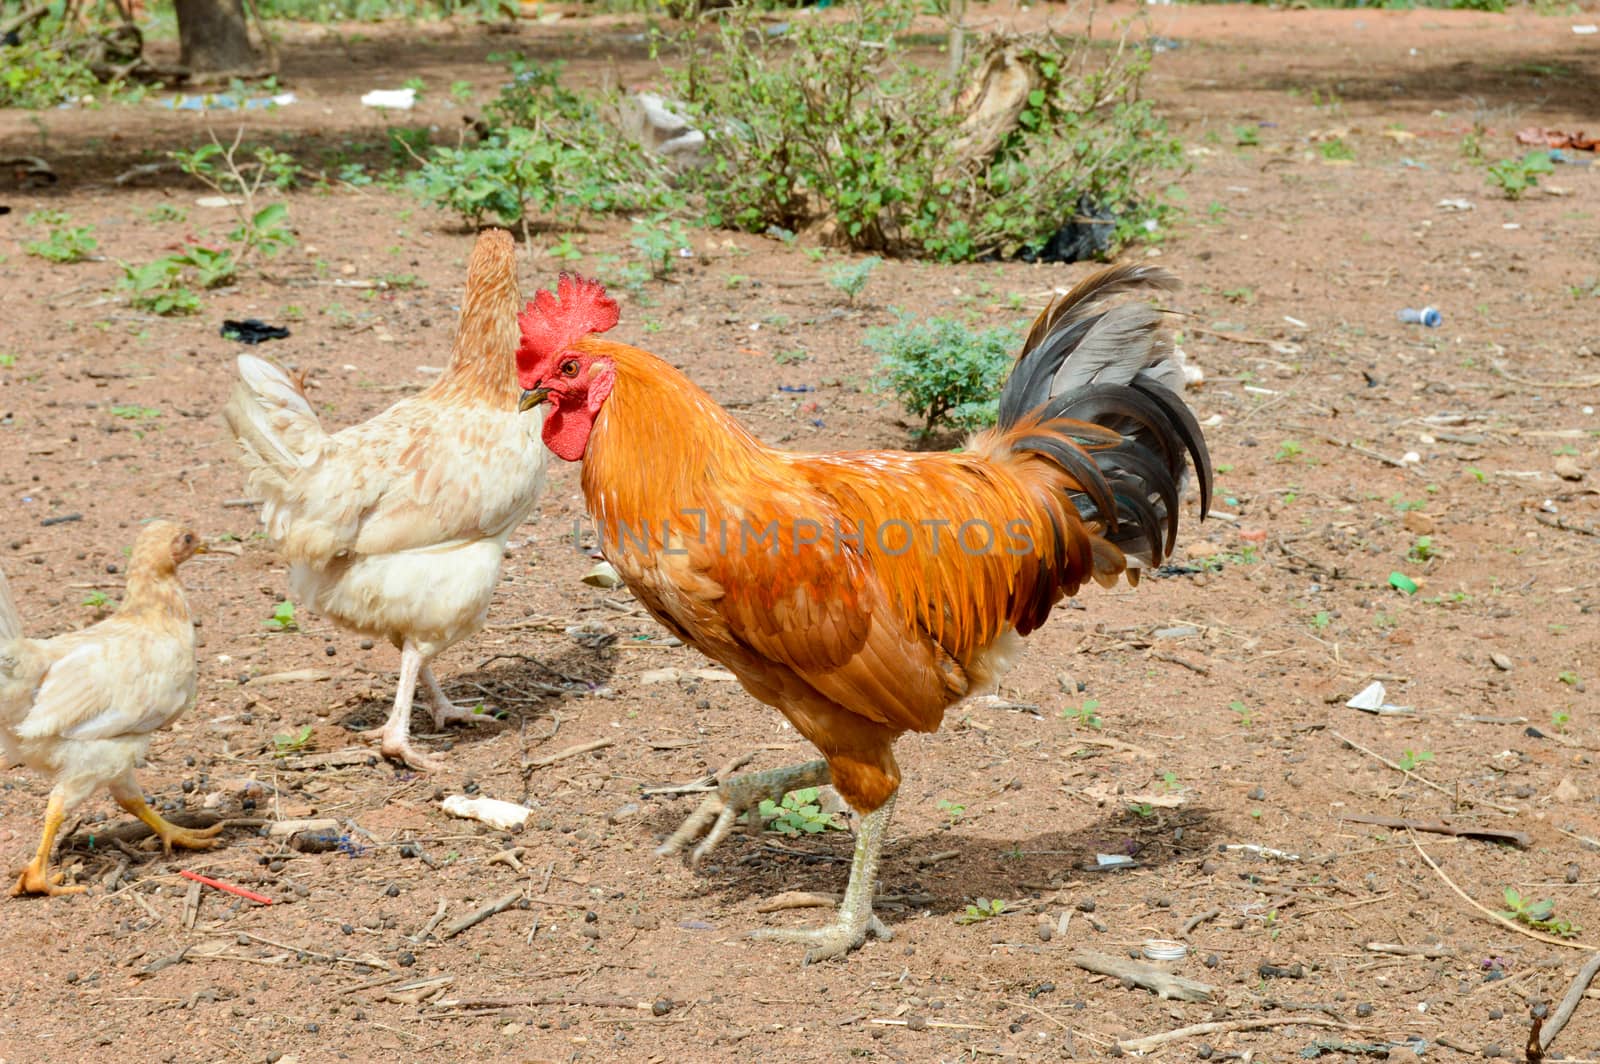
x=1225 y=762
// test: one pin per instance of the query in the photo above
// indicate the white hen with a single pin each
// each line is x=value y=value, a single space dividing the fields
x=396 y=528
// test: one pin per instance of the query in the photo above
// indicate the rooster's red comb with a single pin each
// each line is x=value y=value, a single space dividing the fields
x=554 y=321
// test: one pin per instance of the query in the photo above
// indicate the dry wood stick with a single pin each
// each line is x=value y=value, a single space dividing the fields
x=1409 y=951
x=1163 y=984
x=1140 y=1045
x=1569 y=1004
x=1421 y=779
x=482 y=913
x=571 y=751
x=433 y=922
x=1491 y=914
x=1439 y=827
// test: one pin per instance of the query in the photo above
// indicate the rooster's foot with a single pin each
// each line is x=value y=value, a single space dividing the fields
x=737 y=796
x=35 y=879
x=856 y=919
x=835 y=940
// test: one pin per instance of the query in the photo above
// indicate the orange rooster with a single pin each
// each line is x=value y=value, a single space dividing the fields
x=865 y=594
x=397 y=527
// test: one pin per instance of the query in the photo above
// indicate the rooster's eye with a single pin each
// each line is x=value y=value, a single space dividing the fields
x=569 y=368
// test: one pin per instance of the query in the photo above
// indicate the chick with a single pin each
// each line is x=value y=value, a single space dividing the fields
x=82 y=707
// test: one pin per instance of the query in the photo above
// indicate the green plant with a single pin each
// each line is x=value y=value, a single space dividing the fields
x=1086 y=715
x=1336 y=150
x=1422 y=550
x=792 y=357
x=1559 y=719
x=1513 y=177
x=65 y=243
x=547 y=150
x=134 y=412
x=658 y=241
x=953 y=811
x=165 y=212
x=259 y=229
x=291 y=742
x=798 y=814
x=158 y=287
x=835 y=122
x=1246 y=716
x=1570 y=678
x=99 y=600
x=981 y=910
x=566 y=249
x=1246 y=136
x=40 y=71
x=1321 y=619
x=282 y=619
x=7 y=361
x=1539 y=915
x=943 y=372
x=1411 y=760
x=1288 y=450
x=851 y=277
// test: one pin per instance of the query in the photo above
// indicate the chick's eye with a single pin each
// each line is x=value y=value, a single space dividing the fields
x=569 y=368
x=188 y=538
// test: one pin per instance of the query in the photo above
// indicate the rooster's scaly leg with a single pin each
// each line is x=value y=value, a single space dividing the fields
x=856 y=919
x=445 y=711
x=125 y=790
x=394 y=738
x=738 y=795
x=36 y=878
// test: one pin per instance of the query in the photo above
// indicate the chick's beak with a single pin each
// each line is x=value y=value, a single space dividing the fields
x=201 y=548
x=532 y=398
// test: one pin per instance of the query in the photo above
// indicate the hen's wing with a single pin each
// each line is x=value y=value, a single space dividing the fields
x=417 y=475
x=115 y=680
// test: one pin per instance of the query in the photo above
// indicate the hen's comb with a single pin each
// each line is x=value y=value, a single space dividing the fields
x=554 y=321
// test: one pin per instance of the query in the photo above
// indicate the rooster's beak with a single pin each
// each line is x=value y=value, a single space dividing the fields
x=531 y=399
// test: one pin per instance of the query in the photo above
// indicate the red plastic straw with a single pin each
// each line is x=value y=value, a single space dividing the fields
x=229 y=887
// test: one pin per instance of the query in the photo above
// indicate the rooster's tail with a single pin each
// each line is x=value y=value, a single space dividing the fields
x=10 y=619
x=274 y=424
x=1096 y=393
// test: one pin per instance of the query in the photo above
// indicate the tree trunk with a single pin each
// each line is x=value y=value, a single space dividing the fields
x=213 y=38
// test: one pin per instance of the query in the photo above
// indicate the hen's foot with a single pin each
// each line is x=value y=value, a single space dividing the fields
x=836 y=939
x=396 y=746
x=169 y=833
x=36 y=880
x=737 y=796
x=995 y=701
x=449 y=713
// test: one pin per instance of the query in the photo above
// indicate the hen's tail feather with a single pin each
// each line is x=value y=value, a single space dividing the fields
x=1092 y=393
x=10 y=619
x=276 y=428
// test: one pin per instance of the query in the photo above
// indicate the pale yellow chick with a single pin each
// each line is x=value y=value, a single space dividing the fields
x=82 y=707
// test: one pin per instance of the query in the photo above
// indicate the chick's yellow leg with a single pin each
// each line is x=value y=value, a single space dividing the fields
x=126 y=791
x=36 y=878
x=856 y=919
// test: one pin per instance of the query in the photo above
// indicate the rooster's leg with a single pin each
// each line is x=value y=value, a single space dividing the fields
x=856 y=919
x=738 y=795
x=394 y=738
x=125 y=790
x=36 y=878
x=445 y=711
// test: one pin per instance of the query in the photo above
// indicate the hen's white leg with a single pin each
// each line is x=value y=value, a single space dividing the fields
x=445 y=711
x=394 y=738
x=738 y=795
x=856 y=919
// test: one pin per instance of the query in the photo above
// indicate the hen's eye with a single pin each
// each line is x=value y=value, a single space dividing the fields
x=569 y=368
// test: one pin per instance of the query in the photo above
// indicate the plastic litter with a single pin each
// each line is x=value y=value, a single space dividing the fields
x=1373 y=698
x=1427 y=316
x=253 y=331
x=1586 y=29
x=1085 y=235
x=227 y=101
x=1164 y=949
x=392 y=99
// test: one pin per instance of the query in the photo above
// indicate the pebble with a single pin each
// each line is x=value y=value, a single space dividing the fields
x=1086 y=905
x=661 y=1007
x=1574 y=873
x=1493 y=1050
x=406 y=959
x=1257 y=794
x=1501 y=662
x=1567 y=469
x=1363 y=1010
x=1046 y=931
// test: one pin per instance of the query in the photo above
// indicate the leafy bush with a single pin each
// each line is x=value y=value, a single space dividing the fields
x=35 y=76
x=944 y=372
x=547 y=150
x=832 y=123
x=851 y=278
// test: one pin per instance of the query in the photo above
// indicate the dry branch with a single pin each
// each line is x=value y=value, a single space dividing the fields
x=1569 y=1004
x=1439 y=827
x=1163 y=984
x=1154 y=1041
x=562 y=755
x=482 y=913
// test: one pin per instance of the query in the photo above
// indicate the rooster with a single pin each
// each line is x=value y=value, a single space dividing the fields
x=82 y=707
x=865 y=594
x=396 y=528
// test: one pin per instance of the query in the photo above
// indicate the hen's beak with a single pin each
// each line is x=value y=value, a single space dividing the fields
x=201 y=548
x=531 y=399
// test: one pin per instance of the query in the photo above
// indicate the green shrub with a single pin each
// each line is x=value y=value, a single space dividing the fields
x=833 y=123
x=548 y=150
x=65 y=243
x=1513 y=177
x=944 y=372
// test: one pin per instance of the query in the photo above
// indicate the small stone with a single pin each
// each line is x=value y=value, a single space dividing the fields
x=1086 y=905
x=916 y=1023
x=406 y=959
x=1205 y=1052
x=1363 y=1010
x=1566 y=792
x=1567 y=469
x=1420 y=523
x=1047 y=931
x=661 y=1007
x=1574 y=873
x=1258 y=794
x=366 y=644
x=392 y=891
x=644 y=922
x=1501 y=662
x=1493 y=1050
x=1212 y=960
